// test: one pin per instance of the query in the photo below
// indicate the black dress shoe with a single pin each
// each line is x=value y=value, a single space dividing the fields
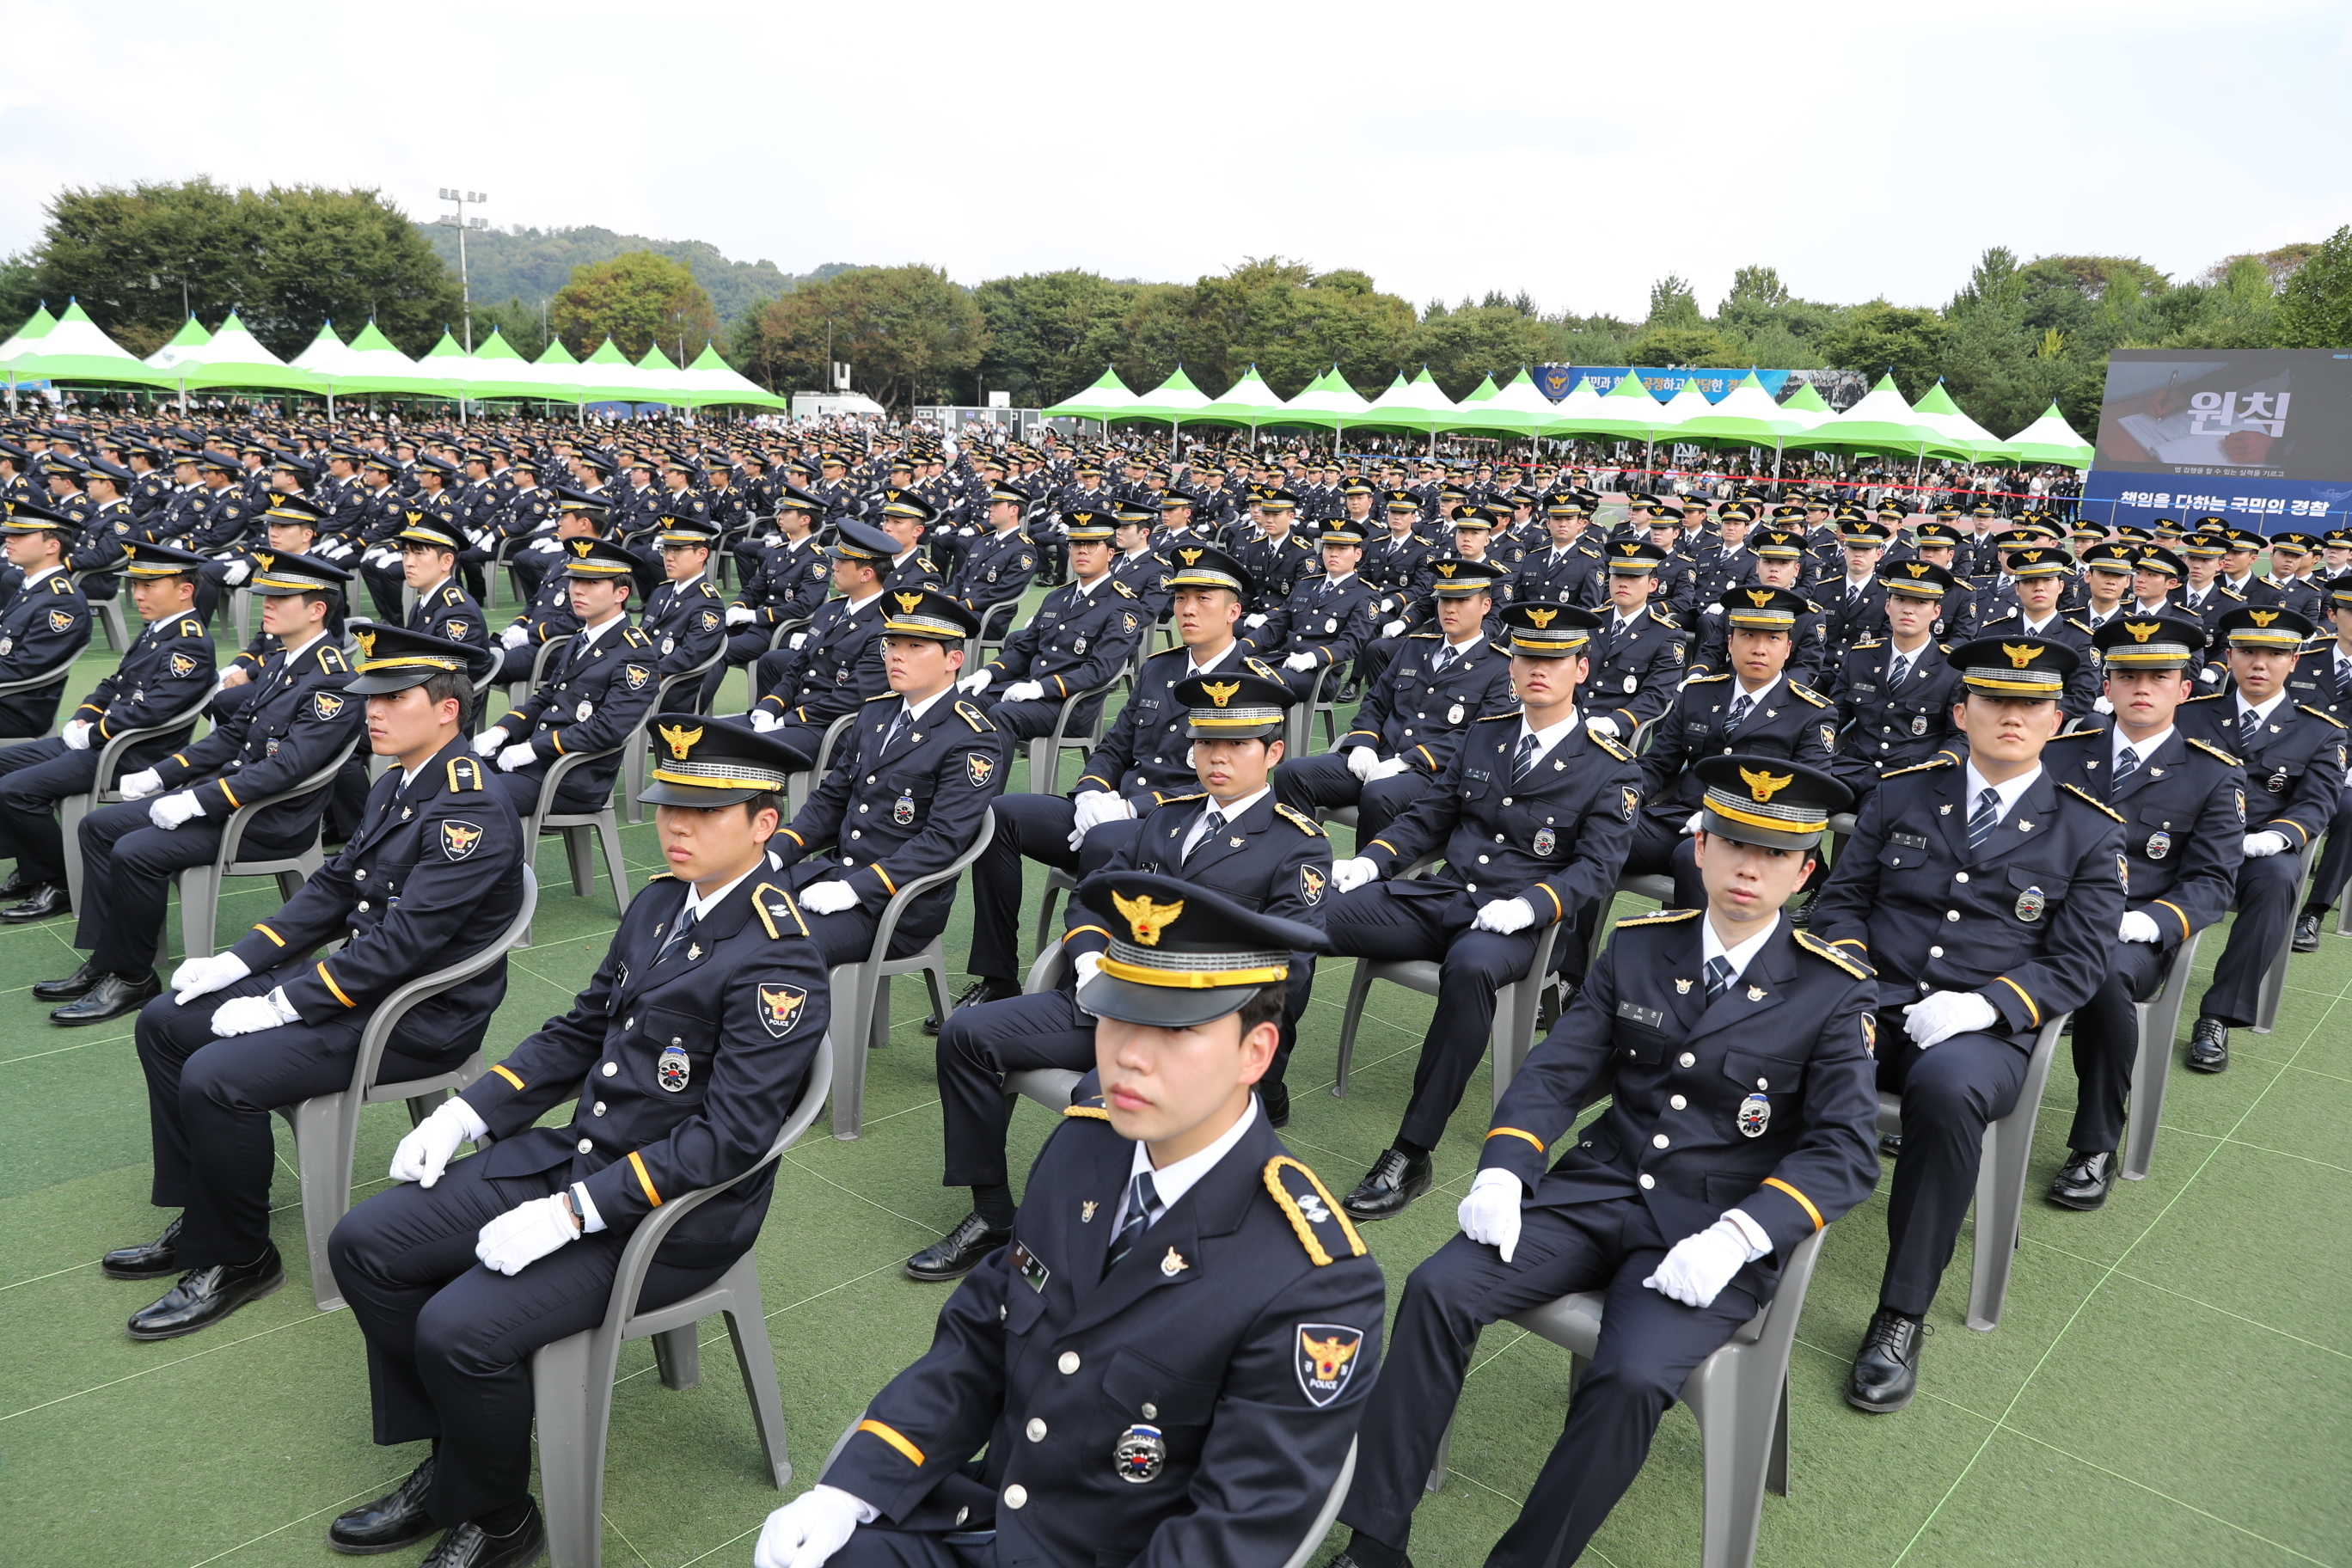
x=1890 y=1145
x=1276 y=1098
x=42 y=903
x=2208 y=1047
x=112 y=997
x=148 y=1260
x=78 y=983
x=1886 y=1370
x=1391 y=1184
x=390 y=1522
x=2307 y=933
x=204 y=1296
x=2084 y=1181
x=959 y=1252
x=978 y=991
x=17 y=886
x=468 y=1545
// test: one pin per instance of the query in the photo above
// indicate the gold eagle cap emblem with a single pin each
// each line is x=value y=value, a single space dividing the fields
x=367 y=643
x=414 y=518
x=1190 y=557
x=1220 y=692
x=581 y=547
x=680 y=740
x=1444 y=568
x=1916 y=568
x=1543 y=618
x=2262 y=617
x=1765 y=785
x=2141 y=632
x=907 y=602
x=1148 y=918
x=2021 y=653
x=1759 y=598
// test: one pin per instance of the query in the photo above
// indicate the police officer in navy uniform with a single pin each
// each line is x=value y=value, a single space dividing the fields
x=1985 y=894
x=547 y=615
x=685 y=1052
x=2182 y=800
x=685 y=614
x=589 y=697
x=2295 y=760
x=1081 y=637
x=1533 y=817
x=1854 y=603
x=1779 y=565
x=432 y=874
x=1166 y=1363
x=1000 y=564
x=1406 y=731
x=2040 y=574
x=46 y=623
x=1134 y=564
x=1229 y=834
x=1570 y=569
x=1326 y=620
x=1755 y=708
x=168 y=667
x=1637 y=652
x=907 y=791
x=429 y=548
x=1895 y=695
x=791 y=578
x=1735 y=1051
x=835 y=665
x=298 y=718
x=1276 y=557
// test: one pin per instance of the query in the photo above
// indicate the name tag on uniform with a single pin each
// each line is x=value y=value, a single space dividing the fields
x=1025 y=1263
x=1648 y=1017
x=1481 y=774
x=1909 y=841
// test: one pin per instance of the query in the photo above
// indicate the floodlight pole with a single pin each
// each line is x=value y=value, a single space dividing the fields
x=463 y=198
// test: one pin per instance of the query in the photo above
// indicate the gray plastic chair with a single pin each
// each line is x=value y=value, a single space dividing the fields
x=108 y=613
x=1299 y=725
x=1046 y=750
x=996 y=626
x=798 y=785
x=575 y=826
x=1048 y=1086
x=572 y=1379
x=1739 y=1396
x=518 y=691
x=633 y=767
x=326 y=1127
x=2272 y=989
x=72 y=808
x=199 y=885
x=861 y=991
x=2159 y=1022
x=57 y=674
x=2000 y=1179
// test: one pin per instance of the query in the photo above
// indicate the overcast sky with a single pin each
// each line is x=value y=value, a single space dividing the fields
x=1578 y=152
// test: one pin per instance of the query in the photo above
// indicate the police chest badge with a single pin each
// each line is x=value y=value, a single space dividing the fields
x=459 y=839
x=673 y=1069
x=778 y=1006
x=1454 y=715
x=1327 y=1360
x=1633 y=684
x=669 y=646
x=1330 y=625
x=1919 y=723
x=2030 y=905
x=581 y=714
x=1140 y=1455
x=2160 y=845
x=1546 y=841
x=2276 y=783
x=1755 y=1116
x=903 y=814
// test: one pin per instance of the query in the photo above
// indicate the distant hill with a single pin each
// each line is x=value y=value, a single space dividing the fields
x=532 y=264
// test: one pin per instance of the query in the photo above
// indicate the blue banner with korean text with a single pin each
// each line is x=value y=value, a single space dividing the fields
x=2262 y=437
x=1556 y=380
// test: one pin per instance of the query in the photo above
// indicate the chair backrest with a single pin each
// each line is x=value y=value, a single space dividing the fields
x=905 y=896
x=110 y=753
x=49 y=676
x=389 y=1012
x=563 y=766
x=232 y=835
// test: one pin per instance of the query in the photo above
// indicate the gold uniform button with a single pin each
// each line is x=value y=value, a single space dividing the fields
x=1068 y=1363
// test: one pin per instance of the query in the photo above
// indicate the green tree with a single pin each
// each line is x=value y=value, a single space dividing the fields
x=909 y=334
x=1462 y=348
x=1696 y=346
x=1672 y=303
x=2314 y=310
x=1759 y=286
x=1879 y=337
x=1050 y=333
x=637 y=300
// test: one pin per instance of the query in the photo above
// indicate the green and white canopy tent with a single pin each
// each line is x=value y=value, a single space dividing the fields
x=74 y=349
x=36 y=328
x=494 y=370
x=1748 y=415
x=370 y=364
x=1884 y=421
x=1522 y=397
x=1107 y=399
x=1249 y=401
x=1172 y=402
x=1327 y=403
x=2048 y=439
x=1420 y=405
x=1485 y=410
x=186 y=344
x=1938 y=409
x=712 y=382
x=234 y=357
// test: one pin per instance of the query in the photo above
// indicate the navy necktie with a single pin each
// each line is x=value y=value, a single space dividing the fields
x=2250 y=724
x=1718 y=976
x=1986 y=814
x=1524 y=759
x=1738 y=715
x=2126 y=763
x=1142 y=1201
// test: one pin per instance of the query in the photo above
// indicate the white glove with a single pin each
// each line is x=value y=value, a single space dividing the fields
x=741 y=614
x=2209 y=674
x=515 y=637
x=1361 y=761
x=146 y=782
x=518 y=755
x=1347 y=875
x=251 y=1014
x=1504 y=915
x=1392 y=629
x=1948 y=1013
x=1489 y=1211
x=2138 y=926
x=1389 y=770
x=175 y=809
x=1025 y=692
x=238 y=572
x=1300 y=661
x=762 y=721
x=796 y=641
x=828 y=898
x=2101 y=705
x=77 y=735
x=1602 y=725
x=520 y=1237
x=1087 y=963
x=1098 y=806
x=2259 y=845
x=489 y=740
x=425 y=1153
x=976 y=682
x=1253 y=622
x=200 y=976
x=1699 y=1266
x=1691 y=825
x=807 y=1529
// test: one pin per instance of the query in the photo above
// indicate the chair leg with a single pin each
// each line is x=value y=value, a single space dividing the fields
x=1436 y=1481
x=633 y=783
x=877 y=1015
x=1776 y=1472
x=608 y=829
x=71 y=810
x=2150 y=1067
x=678 y=1356
x=1045 y=916
x=2000 y=1206
x=849 y=1043
x=421 y=1106
x=1358 y=986
x=748 y=1328
x=200 y=890
x=1736 y=1418
x=324 y=1163
x=581 y=854
x=572 y=1399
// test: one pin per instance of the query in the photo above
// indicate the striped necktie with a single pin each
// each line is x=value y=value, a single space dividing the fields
x=1986 y=814
x=1143 y=1203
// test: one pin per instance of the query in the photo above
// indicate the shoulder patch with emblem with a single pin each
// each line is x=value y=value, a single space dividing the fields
x=1322 y=1226
x=326 y=704
x=2212 y=751
x=975 y=718
x=2092 y=801
x=1807 y=694
x=1300 y=820
x=778 y=1006
x=460 y=838
x=1822 y=950
x=636 y=675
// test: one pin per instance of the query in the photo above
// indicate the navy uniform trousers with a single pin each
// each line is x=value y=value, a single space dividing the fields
x=34 y=778
x=1325 y=781
x=209 y=1099
x=2268 y=887
x=1950 y=1092
x=2106 y=1042
x=1660 y=849
x=128 y=863
x=2334 y=868
x=1032 y=827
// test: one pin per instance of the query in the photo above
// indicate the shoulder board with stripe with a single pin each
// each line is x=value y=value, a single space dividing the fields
x=2214 y=751
x=1090 y=1110
x=2076 y=735
x=662 y=877
x=1259 y=666
x=1664 y=620
x=2317 y=714
x=2208 y=696
x=1180 y=799
x=1322 y=1226
x=1807 y=694
x=634 y=637
x=774 y=905
x=1300 y=820
x=1705 y=679
x=975 y=718
x=1120 y=587
x=1822 y=950
x=2094 y=802
x=465 y=773
x=192 y=628
x=886 y=697
x=1658 y=918
x=1416 y=636
x=1867 y=642
x=1915 y=768
x=1179 y=650
x=1514 y=713
x=1612 y=747
x=453 y=596
x=708 y=591
x=330 y=658
x=58 y=585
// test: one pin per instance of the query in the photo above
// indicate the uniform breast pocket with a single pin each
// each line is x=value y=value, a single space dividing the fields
x=1135 y=1387
x=682 y=1046
x=1638 y=1033
x=2033 y=895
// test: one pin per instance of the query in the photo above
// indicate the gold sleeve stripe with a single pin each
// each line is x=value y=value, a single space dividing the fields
x=795 y=837
x=231 y=793
x=885 y=878
x=1803 y=1202
x=501 y=1070
x=271 y=935
x=2177 y=910
x=338 y=990
x=914 y=1455
x=2030 y=1004
x=1541 y=1147
x=645 y=1179
x=1560 y=911
x=1073 y=930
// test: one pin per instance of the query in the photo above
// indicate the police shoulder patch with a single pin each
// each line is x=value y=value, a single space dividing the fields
x=459 y=839
x=1824 y=952
x=774 y=906
x=192 y=628
x=1322 y=1226
x=975 y=718
x=1807 y=694
x=1300 y=820
x=326 y=704
x=1608 y=745
x=465 y=773
x=2315 y=713
x=1916 y=768
x=2212 y=751
x=2094 y=802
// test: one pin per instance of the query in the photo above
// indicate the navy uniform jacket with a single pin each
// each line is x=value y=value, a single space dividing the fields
x=100 y=545
x=1392 y=566
x=42 y=627
x=2294 y=764
x=1577 y=575
x=548 y=617
x=2037 y=910
x=916 y=571
x=1275 y=566
x=1076 y=641
x=1143 y=757
x=2184 y=812
x=1846 y=621
x=685 y=622
x=1335 y=625
x=164 y=671
x=686 y=1063
x=2312 y=683
x=1764 y=1100
x=837 y=667
x=1558 y=838
x=298 y=718
x=1144 y=575
x=1883 y=730
x=1810 y=659
x=1792 y=721
x=432 y=874
x=792 y=581
x=1421 y=717
x=1633 y=672
x=1271 y=858
x=587 y=702
x=884 y=818
x=1721 y=569
x=450 y=612
x=1243 y=1330
x=995 y=568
